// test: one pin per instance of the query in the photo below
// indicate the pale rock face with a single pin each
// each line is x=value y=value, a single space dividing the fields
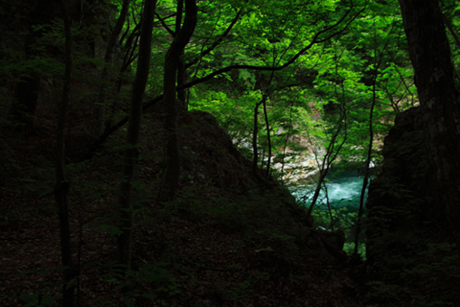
x=301 y=169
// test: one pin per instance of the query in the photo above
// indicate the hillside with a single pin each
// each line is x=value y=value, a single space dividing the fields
x=226 y=241
x=294 y=84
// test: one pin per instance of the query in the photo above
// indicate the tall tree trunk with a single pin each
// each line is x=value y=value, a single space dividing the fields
x=104 y=78
x=181 y=69
x=172 y=60
x=431 y=58
x=332 y=151
x=255 y=132
x=269 y=141
x=62 y=185
x=368 y=161
x=132 y=153
x=255 y=159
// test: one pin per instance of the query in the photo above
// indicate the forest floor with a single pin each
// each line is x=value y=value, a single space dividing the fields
x=225 y=241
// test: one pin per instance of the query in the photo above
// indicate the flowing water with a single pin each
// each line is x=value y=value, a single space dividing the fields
x=344 y=192
x=343 y=189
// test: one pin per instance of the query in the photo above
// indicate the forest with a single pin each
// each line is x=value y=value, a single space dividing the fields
x=181 y=152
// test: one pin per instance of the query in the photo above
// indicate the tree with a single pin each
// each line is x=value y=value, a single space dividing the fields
x=430 y=55
x=324 y=31
x=172 y=63
x=101 y=98
x=132 y=152
x=62 y=187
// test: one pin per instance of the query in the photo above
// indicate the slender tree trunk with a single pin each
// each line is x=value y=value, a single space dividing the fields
x=135 y=116
x=430 y=55
x=255 y=131
x=267 y=126
x=181 y=69
x=329 y=208
x=371 y=141
x=452 y=31
x=366 y=168
x=62 y=185
x=172 y=159
x=255 y=169
x=286 y=139
x=322 y=175
x=331 y=153
x=101 y=98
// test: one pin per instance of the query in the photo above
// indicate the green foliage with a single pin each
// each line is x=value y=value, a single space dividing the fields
x=233 y=102
x=343 y=220
x=366 y=60
x=349 y=248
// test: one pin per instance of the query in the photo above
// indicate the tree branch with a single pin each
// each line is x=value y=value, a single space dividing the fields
x=314 y=41
x=218 y=41
x=163 y=23
x=150 y=103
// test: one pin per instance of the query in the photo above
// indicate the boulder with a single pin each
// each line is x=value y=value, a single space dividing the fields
x=405 y=230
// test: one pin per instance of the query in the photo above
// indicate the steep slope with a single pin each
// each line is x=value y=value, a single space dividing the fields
x=227 y=240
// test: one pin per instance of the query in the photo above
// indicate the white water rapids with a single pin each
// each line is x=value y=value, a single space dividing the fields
x=343 y=187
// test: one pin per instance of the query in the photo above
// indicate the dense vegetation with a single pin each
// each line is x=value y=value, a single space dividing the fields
x=102 y=108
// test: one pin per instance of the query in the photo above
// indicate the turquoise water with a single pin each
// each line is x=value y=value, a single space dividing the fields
x=343 y=187
x=344 y=191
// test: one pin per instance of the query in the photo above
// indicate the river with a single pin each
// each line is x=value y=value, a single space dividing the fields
x=344 y=192
x=343 y=187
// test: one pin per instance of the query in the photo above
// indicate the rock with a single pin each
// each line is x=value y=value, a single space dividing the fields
x=405 y=174
x=403 y=217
